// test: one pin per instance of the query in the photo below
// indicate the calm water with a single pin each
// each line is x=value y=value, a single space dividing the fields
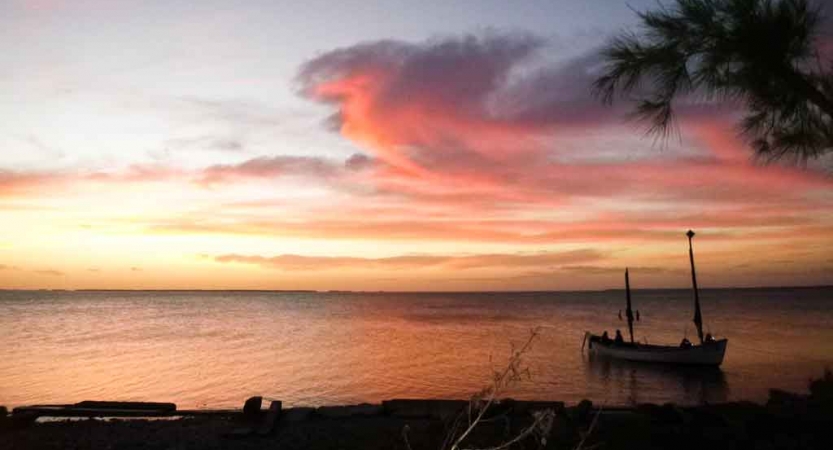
x=214 y=349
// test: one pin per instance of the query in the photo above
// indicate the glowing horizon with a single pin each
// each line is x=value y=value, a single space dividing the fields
x=460 y=156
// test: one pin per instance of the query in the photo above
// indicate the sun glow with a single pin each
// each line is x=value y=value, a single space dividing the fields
x=456 y=163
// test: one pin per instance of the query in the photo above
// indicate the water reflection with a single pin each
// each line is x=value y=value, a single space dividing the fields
x=214 y=349
x=645 y=382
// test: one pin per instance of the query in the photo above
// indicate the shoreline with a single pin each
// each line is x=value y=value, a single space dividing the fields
x=786 y=420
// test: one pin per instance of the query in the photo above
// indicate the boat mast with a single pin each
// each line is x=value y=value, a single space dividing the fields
x=698 y=317
x=628 y=311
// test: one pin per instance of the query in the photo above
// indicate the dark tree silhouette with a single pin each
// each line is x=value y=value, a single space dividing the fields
x=762 y=54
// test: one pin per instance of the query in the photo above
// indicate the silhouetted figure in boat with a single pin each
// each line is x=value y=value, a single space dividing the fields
x=685 y=343
x=605 y=337
x=619 y=339
x=709 y=339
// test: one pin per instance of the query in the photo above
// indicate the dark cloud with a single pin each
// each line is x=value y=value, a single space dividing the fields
x=269 y=167
x=460 y=73
x=358 y=161
x=285 y=166
x=496 y=78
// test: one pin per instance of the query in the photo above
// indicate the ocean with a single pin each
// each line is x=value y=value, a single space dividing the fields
x=213 y=349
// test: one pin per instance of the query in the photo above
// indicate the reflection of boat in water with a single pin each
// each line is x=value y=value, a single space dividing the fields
x=709 y=352
x=636 y=382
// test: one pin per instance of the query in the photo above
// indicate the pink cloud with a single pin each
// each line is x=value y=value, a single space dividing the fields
x=459 y=120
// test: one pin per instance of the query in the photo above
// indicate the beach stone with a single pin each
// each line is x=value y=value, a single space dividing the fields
x=528 y=407
x=562 y=430
x=138 y=406
x=22 y=420
x=299 y=414
x=334 y=412
x=668 y=414
x=581 y=412
x=251 y=409
x=238 y=433
x=822 y=388
x=785 y=403
x=268 y=425
x=437 y=409
x=778 y=396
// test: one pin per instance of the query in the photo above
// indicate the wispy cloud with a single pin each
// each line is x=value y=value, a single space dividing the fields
x=290 y=262
x=270 y=167
x=607 y=270
x=134 y=173
x=49 y=272
x=207 y=142
x=17 y=182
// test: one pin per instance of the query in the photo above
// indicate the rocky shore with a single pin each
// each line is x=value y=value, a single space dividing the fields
x=786 y=421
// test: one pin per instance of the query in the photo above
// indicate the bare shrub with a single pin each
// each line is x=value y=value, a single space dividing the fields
x=479 y=404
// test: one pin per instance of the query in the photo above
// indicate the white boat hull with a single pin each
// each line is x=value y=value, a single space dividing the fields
x=709 y=354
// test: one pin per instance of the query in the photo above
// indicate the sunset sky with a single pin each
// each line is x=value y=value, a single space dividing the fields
x=370 y=145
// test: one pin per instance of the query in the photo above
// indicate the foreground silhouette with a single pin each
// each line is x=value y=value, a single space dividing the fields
x=761 y=53
x=786 y=421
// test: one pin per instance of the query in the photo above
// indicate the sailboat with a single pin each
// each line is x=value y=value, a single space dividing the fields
x=709 y=352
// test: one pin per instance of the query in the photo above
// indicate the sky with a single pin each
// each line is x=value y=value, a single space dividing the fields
x=370 y=145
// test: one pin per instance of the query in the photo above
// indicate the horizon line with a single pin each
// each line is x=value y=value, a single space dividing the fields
x=376 y=291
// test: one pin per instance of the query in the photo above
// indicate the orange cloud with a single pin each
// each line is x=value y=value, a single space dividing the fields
x=50 y=272
x=413 y=262
x=606 y=270
x=19 y=183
